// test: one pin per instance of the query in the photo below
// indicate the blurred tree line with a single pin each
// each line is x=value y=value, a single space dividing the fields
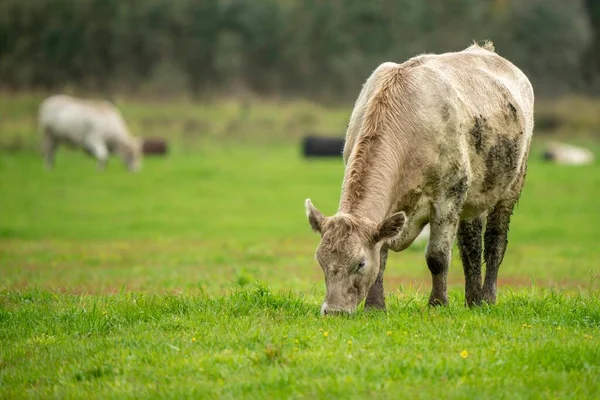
x=322 y=49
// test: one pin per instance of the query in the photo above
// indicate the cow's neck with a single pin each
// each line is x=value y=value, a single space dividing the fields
x=372 y=197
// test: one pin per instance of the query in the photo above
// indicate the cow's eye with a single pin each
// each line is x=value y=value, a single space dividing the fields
x=362 y=264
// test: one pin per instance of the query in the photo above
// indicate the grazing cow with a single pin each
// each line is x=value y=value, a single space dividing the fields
x=96 y=126
x=440 y=139
x=566 y=154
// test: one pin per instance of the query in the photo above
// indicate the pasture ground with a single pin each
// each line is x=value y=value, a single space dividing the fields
x=196 y=277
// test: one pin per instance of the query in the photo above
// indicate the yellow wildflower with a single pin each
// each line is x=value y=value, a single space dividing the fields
x=389 y=333
x=325 y=333
x=193 y=339
x=464 y=354
x=349 y=342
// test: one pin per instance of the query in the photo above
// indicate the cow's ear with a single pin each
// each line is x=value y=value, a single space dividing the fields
x=390 y=228
x=315 y=217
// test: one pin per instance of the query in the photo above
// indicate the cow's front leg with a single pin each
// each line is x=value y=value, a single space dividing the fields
x=97 y=148
x=439 y=252
x=102 y=164
x=376 y=297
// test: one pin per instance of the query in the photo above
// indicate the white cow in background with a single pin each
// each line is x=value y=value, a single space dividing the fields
x=566 y=154
x=96 y=126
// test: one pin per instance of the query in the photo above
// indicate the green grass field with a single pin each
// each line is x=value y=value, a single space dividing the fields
x=196 y=277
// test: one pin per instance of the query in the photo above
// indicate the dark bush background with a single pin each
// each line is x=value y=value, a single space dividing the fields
x=319 y=49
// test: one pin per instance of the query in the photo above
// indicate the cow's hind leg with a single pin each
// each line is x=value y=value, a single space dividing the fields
x=495 y=241
x=48 y=148
x=470 y=246
x=375 y=297
x=439 y=251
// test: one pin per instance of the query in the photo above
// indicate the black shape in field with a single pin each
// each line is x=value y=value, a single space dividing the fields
x=318 y=146
x=155 y=146
x=547 y=155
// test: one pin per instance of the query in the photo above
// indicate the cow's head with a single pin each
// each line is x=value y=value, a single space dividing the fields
x=349 y=254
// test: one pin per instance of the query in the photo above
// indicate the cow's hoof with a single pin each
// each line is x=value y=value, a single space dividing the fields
x=375 y=307
x=473 y=301
x=489 y=298
x=438 y=301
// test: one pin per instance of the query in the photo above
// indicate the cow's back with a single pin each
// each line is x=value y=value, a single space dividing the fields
x=475 y=111
x=476 y=82
x=71 y=119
